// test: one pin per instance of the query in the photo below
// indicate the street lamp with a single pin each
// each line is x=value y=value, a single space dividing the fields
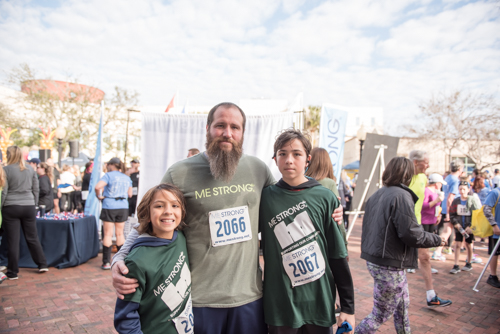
x=60 y=134
x=126 y=133
x=361 y=135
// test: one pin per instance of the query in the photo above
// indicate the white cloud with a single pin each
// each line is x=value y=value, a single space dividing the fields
x=357 y=53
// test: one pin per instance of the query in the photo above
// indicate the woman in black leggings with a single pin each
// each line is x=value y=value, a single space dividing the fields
x=19 y=198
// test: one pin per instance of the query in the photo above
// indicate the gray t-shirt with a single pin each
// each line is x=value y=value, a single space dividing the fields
x=21 y=187
x=227 y=275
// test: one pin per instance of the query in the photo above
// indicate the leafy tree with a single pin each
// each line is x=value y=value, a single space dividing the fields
x=312 y=122
x=75 y=109
x=468 y=122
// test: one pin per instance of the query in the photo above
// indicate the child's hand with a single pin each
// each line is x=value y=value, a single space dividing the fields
x=346 y=317
x=469 y=231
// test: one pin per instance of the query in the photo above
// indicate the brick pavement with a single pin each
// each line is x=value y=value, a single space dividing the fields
x=81 y=299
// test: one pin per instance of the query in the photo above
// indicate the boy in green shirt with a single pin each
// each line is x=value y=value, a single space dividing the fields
x=304 y=253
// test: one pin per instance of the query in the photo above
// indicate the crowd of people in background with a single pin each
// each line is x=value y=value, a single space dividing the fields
x=31 y=188
x=416 y=211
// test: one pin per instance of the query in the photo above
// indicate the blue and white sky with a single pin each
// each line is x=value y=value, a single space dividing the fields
x=386 y=53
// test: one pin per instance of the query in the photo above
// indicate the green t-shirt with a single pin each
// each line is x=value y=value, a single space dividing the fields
x=227 y=275
x=417 y=185
x=330 y=184
x=164 y=285
x=299 y=236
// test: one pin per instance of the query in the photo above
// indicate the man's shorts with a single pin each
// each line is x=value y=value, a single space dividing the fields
x=114 y=215
x=491 y=245
x=459 y=237
x=429 y=228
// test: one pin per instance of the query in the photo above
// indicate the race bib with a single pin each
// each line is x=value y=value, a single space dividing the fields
x=184 y=323
x=85 y=194
x=230 y=226
x=134 y=191
x=305 y=264
x=462 y=210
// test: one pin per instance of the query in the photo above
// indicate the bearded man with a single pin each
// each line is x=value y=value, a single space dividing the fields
x=222 y=187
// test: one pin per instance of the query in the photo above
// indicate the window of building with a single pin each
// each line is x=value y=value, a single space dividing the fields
x=137 y=144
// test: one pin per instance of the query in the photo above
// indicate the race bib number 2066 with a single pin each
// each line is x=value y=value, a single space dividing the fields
x=229 y=226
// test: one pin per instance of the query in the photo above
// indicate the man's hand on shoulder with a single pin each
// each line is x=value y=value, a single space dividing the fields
x=338 y=214
x=122 y=284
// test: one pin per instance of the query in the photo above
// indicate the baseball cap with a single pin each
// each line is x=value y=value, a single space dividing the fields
x=136 y=161
x=34 y=161
x=436 y=178
x=114 y=161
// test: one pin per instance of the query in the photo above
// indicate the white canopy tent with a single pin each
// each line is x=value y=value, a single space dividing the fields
x=166 y=139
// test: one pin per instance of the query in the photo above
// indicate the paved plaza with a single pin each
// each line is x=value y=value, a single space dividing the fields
x=81 y=299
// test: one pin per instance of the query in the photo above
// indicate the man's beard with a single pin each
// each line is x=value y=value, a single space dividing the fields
x=223 y=164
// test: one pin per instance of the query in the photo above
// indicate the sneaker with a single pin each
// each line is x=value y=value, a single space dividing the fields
x=106 y=266
x=436 y=257
x=436 y=301
x=11 y=276
x=467 y=267
x=447 y=251
x=493 y=281
x=434 y=271
x=43 y=270
x=2 y=268
x=3 y=277
x=455 y=270
x=410 y=271
x=476 y=259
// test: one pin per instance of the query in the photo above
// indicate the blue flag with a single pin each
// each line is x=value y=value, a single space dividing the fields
x=331 y=135
x=93 y=205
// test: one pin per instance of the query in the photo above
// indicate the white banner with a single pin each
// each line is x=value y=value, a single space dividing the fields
x=331 y=135
x=166 y=139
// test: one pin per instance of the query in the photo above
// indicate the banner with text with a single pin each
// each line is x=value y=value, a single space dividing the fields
x=331 y=135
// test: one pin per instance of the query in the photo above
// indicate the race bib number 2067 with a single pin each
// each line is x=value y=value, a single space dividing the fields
x=229 y=226
x=304 y=265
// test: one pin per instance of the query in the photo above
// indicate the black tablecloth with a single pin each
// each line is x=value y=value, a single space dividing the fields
x=66 y=243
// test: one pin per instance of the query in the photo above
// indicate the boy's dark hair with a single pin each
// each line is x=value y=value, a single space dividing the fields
x=398 y=171
x=144 y=212
x=292 y=134
x=210 y=117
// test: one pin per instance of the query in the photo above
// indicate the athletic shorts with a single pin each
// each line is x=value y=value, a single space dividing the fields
x=114 y=215
x=244 y=319
x=429 y=228
x=491 y=245
x=459 y=237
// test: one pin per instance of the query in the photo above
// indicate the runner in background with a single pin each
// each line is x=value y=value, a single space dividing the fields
x=133 y=172
x=418 y=183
